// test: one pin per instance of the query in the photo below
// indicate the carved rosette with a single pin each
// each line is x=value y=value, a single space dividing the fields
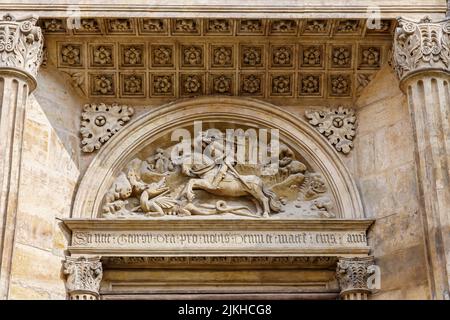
x=83 y=277
x=21 y=45
x=421 y=46
x=100 y=122
x=338 y=125
x=352 y=275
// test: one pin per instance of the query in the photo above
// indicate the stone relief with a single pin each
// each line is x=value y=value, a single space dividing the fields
x=21 y=44
x=162 y=85
x=341 y=57
x=312 y=56
x=186 y=26
x=153 y=26
x=421 y=45
x=353 y=273
x=222 y=57
x=132 y=56
x=120 y=25
x=337 y=124
x=192 y=56
x=251 y=84
x=251 y=26
x=252 y=56
x=89 y=25
x=102 y=84
x=222 y=84
x=132 y=84
x=283 y=27
x=77 y=80
x=363 y=80
x=162 y=56
x=102 y=55
x=315 y=26
x=310 y=84
x=348 y=26
x=341 y=85
x=370 y=57
x=282 y=56
x=191 y=84
x=219 y=26
x=163 y=186
x=71 y=55
x=83 y=276
x=100 y=122
x=281 y=85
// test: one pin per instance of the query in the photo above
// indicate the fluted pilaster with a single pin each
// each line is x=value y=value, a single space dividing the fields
x=422 y=59
x=20 y=55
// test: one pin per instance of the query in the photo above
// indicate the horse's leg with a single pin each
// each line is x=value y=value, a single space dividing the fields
x=188 y=190
x=257 y=192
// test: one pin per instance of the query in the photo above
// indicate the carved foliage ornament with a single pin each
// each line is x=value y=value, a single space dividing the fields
x=421 y=45
x=21 y=44
x=353 y=274
x=100 y=122
x=337 y=124
x=83 y=274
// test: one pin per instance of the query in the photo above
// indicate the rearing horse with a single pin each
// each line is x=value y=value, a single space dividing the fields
x=232 y=185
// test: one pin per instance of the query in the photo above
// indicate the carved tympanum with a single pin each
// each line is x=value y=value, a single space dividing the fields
x=21 y=44
x=422 y=45
x=100 y=122
x=337 y=124
x=83 y=277
x=173 y=181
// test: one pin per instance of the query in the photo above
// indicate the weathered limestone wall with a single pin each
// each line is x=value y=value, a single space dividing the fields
x=49 y=174
x=385 y=173
x=382 y=163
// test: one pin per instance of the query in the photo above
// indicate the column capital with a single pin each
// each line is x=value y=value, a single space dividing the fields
x=21 y=47
x=83 y=277
x=353 y=274
x=421 y=47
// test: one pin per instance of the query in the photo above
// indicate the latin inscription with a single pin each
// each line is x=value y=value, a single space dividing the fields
x=218 y=239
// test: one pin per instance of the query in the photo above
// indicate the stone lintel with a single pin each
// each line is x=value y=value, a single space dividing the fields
x=214 y=237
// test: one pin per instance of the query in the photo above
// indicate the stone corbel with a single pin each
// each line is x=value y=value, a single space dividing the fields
x=84 y=275
x=353 y=277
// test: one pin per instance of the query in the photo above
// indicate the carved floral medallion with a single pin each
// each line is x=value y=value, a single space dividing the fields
x=100 y=122
x=338 y=125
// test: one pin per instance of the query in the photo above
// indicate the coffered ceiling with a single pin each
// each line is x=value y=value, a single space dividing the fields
x=166 y=59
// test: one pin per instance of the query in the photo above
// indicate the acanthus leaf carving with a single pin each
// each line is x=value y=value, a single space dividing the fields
x=422 y=45
x=21 y=44
x=353 y=274
x=100 y=122
x=338 y=125
x=84 y=275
